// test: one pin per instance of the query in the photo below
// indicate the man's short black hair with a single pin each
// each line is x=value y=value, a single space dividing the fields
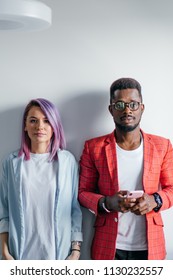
x=124 y=83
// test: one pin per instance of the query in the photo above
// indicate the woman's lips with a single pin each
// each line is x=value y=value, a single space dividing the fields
x=39 y=134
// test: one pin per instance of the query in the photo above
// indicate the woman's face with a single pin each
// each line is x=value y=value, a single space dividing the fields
x=39 y=130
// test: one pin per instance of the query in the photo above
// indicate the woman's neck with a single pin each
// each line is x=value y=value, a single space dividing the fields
x=39 y=149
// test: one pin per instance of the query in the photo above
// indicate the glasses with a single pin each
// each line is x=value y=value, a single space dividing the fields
x=121 y=105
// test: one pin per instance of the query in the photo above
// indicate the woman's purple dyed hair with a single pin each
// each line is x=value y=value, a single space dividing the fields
x=52 y=114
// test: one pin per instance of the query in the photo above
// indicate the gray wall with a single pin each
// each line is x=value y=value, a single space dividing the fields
x=90 y=44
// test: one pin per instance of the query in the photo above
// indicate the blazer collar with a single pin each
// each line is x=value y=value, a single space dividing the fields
x=111 y=156
x=148 y=158
x=110 y=150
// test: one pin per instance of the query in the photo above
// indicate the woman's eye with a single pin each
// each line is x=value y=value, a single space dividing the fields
x=33 y=121
x=46 y=121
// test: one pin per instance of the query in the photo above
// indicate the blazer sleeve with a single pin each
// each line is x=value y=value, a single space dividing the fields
x=88 y=194
x=166 y=178
x=4 y=214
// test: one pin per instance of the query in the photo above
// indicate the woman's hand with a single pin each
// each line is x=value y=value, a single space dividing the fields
x=4 y=245
x=7 y=256
x=75 y=255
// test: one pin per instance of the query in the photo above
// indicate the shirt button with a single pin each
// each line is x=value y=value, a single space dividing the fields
x=116 y=220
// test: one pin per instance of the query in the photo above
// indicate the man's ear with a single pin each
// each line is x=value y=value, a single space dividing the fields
x=110 y=109
x=142 y=108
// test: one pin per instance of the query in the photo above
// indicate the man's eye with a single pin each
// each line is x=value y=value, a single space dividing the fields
x=133 y=104
x=119 y=105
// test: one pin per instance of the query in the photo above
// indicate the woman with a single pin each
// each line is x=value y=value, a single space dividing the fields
x=40 y=217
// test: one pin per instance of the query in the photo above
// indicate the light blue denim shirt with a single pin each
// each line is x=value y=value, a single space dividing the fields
x=68 y=216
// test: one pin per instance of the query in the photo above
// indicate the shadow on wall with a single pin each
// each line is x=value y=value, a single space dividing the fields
x=83 y=117
x=10 y=123
x=88 y=233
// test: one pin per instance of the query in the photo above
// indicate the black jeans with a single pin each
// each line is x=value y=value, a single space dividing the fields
x=131 y=255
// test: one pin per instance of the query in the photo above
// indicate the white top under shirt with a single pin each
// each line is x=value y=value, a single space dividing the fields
x=38 y=189
x=131 y=228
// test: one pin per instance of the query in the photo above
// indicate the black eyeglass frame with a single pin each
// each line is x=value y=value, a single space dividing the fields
x=126 y=104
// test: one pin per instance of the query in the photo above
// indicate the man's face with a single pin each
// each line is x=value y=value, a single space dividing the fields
x=127 y=119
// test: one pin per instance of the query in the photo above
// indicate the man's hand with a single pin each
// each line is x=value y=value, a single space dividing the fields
x=144 y=205
x=119 y=202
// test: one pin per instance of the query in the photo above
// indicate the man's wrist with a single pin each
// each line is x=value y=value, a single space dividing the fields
x=158 y=201
x=103 y=205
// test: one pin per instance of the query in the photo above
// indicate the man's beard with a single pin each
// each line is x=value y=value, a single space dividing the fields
x=126 y=128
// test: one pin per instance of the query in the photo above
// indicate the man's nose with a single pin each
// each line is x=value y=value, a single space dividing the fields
x=127 y=107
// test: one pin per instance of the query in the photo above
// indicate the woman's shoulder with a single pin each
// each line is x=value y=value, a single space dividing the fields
x=65 y=154
x=10 y=159
x=11 y=155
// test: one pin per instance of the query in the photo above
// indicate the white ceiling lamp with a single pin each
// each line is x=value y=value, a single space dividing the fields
x=24 y=15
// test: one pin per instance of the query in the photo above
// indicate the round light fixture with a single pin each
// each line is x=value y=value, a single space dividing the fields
x=24 y=15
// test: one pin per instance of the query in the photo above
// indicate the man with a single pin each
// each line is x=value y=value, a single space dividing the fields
x=114 y=165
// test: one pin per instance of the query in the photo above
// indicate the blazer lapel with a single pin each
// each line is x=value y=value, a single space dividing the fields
x=111 y=158
x=148 y=159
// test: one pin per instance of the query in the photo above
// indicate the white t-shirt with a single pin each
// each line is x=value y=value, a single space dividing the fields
x=38 y=192
x=131 y=228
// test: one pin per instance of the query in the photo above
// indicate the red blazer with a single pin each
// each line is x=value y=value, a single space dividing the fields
x=98 y=177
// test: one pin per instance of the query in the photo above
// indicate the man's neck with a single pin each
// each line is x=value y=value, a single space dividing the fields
x=128 y=140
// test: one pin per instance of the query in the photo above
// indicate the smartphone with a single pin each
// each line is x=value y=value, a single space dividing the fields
x=135 y=194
